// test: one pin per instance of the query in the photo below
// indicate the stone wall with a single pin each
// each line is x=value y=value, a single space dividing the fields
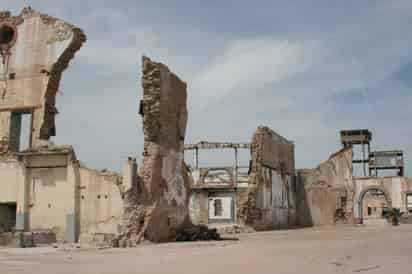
x=156 y=207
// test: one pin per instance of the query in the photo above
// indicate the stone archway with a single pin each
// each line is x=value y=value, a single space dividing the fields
x=365 y=192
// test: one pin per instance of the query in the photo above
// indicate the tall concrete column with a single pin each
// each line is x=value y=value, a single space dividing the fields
x=23 y=198
x=73 y=212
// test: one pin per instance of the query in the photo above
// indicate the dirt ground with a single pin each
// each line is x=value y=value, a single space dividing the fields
x=344 y=249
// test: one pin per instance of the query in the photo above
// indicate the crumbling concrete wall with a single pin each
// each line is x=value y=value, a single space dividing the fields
x=325 y=194
x=271 y=192
x=31 y=70
x=156 y=207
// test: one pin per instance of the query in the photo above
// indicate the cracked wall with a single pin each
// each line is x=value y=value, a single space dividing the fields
x=31 y=70
x=326 y=192
x=156 y=207
x=270 y=200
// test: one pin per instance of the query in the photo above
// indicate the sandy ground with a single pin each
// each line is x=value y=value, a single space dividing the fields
x=346 y=249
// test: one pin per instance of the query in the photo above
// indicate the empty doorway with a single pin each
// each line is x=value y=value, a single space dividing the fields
x=7 y=217
x=373 y=202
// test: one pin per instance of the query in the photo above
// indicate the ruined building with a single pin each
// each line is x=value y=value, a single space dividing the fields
x=261 y=195
x=47 y=195
x=333 y=193
x=43 y=186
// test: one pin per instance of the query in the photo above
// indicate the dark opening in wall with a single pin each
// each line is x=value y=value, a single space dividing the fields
x=7 y=216
x=7 y=35
x=218 y=207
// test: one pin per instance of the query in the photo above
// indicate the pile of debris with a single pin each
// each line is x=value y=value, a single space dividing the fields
x=198 y=233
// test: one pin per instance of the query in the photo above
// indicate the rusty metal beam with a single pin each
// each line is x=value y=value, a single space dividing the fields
x=216 y=145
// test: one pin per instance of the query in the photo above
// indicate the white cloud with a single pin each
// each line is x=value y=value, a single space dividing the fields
x=247 y=64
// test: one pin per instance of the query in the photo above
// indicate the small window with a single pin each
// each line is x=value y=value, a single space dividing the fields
x=409 y=202
x=369 y=211
x=218 y=209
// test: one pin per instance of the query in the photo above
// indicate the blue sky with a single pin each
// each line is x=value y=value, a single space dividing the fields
x=305 y=68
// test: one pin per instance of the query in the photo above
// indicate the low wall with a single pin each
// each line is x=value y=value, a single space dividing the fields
x=101 y=204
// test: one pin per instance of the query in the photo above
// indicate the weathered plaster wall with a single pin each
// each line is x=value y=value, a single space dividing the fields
x=15 y=187
x=158 y=205
x=42 y=51
x=51 y=199
x=325 y=194
x=101 y=203
x=271 y=193
x=53 y=192
x=10 y=176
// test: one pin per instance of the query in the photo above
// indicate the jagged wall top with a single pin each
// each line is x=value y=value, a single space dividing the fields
x=33 y=66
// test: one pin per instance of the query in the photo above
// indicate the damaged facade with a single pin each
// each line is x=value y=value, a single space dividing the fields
x=35 y=50
x=261 y=195
x=44 y=187
x=46 y=192
x=331 y=193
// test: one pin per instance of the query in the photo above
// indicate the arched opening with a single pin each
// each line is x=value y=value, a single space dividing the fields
x=372 y=203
